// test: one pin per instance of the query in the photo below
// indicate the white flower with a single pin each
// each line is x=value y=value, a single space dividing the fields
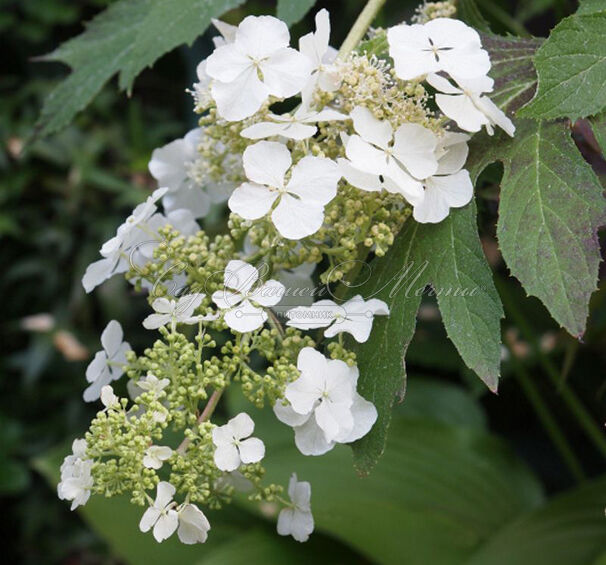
x=108 y=364
x=297 y=126
x=450 y=187
x=297 y=520
x=169 y=311
x=299 y=211
x=114 y=251
x=193 y=525
x=244 y=307
x=231 y=446
x=322 y=405
x=467 y=105
x=257 y=64
x=76 y=479
x=442 y=44
x=394 y=157
x=354 y=316
x=161 y=516
x=108 y=398
x=151 y=383
x=155 y=455
x=325 y=74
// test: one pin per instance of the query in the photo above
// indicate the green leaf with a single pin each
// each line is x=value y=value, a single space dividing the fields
x=512 y=70
x=436 y=496
x=568 y=530
x=448 y=256
x=468 y=12
x=293 y=11
x=571 y=66
x=550 y=209
x=127 y=37
x=598 y=125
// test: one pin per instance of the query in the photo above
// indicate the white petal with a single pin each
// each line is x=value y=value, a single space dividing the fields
x=190 y=198
x=269 y=294
x=402 y=183
x=497 y=116
x=225 y=299
x=167 y=164
x=365 y=415
x=98 y=272
x=260 y=36
x=408 y=46
x=415 y=146
x=319 y=315
x=266 y=162
x=240 y=98
x=187 y=304
x=240 y=275
x=299 y=492
x=154 y=321
x=193 y=525
x=454 y=156
x=251 y=201
x=241 y=425
x=311 y=440
x=442 y=193
x=285 y=413
x=296 y=219
x=300 y=525
x=314 y=45
x=365 y=157
x=315 y=180
x=334 y=418
x=149 y=518
x=227 y=63
x=285 y=72
x=165 y=493
x=166 y=525
x=245 y=318
x=227 y=458
x=303 y=392
x=96 y=367
x=462 y=110
x=358 y=178
x=370 y=128
x=442 y=84
x=252 y=450
x=310 y=360
x=228 y=32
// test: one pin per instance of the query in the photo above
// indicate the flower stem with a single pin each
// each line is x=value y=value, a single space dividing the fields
x=361 y=25
x=206 y=414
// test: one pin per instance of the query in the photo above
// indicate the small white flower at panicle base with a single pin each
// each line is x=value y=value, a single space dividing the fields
x=161 y=516
x=257 y=64
x=297 y=520
x=233 y=446
x=354 y=317
x=76 y=479
x=322 y=405
x=442 y=44
x=315 y=46
x=297 y=126
x=114 y=251
x=151 y=383
x=193 y=525
x=399 y=159
x=299 y=211
x=108 y=364
x=468 y=105
x=109 y=399
x=451 y=186
x=155 y=455
x=244 y=307
x=180 y=311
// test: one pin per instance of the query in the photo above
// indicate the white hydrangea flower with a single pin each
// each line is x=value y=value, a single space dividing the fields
x=109 y=399
x=244 y=307
x=399 y=159
x=297 y=126
x=108 y=364
x=233 y=446
x=114 y=251
x=354 y=317
x=155 y=455
x=161 y=516
x=193 y=525
x=151 y=383
x=257 y=64
x=299 y=211
x=442 y=44
x=76 y=479
x=179 y=311
x=322 y=405
x=468 y=105
x=297 y=520
x=315 y=46
x=451 y=186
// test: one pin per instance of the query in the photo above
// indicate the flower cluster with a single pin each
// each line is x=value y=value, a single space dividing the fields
x=312 y=193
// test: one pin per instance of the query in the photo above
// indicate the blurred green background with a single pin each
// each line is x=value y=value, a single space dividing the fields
x=468 y=477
